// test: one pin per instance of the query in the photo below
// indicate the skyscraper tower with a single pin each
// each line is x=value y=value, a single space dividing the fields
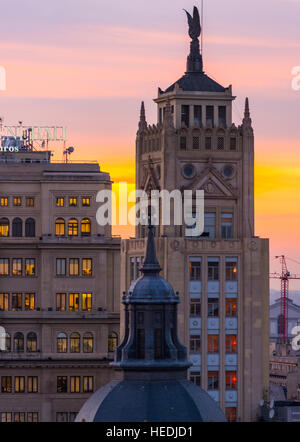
x=223 y=274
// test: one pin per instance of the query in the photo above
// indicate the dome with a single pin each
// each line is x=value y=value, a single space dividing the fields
x=150 y=401
x=149 y=288
x=196 y=81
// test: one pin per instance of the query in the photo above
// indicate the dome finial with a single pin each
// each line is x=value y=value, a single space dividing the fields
x=151 y=264
x=194 y=60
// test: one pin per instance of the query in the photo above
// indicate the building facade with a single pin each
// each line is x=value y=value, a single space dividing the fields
x=221 y=276
x=59 y=287
x=293 y=311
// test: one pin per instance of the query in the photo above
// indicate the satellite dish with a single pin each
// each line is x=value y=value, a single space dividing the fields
x=272 y=403
x=261 y=402
x=272 y=413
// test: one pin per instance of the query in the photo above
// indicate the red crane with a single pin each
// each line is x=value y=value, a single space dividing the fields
x=285 y=276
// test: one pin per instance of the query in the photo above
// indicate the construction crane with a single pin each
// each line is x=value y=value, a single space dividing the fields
x=284 y=277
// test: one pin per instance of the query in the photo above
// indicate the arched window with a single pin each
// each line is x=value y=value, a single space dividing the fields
x=31 y=342
x=17 y=227
x=7 y=342
x=4 y=227
x=73 y=227
x=85 y=227
x=62 y=343
x=75 y=343
x=30 y=227
x=60 y=227
x=18 y=342
x=112 y=341
x=88 y=343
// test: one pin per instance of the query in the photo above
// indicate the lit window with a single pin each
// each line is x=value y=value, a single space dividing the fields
x=4 y=267
x=60 y=202
x=60 y=266
x=213 y=307
x=62 y=342
x=213 y=269
x=17 y=267
x=16 y=302
x=86 y=201
x=231 y=269
x=29 y=202
x=112 y=341
x=195 y=377
x=86 y=301
x=85 y=227
x=195 y=344
x=87 y=266
x=4 y=227
x=231 y=344
x=88 y=384
x=32 y=416
x=75 y=384
x=195 y=307
x=17 y=227
x=19 y=416
x=231 y=380
x=230 y=413
x=31 y=342
x=61 y=302
x=29 y=267
x=227 y=225
x=6 y=417
x=74 y=267
x=62 y=384
x=74 y=302
x=231 y=307
x=18 y=342
x=73 y=227
x=3 y=201
x=29 y=301
x=88 y=343
x=60 y=227
x=195 y=270
x=75 y=343
x=213 y=343
x=17 y=201
x=212 y=380
x=6 y=384
x=19 y=384
x=4 y=302
x=30 y=228
x=72 y=201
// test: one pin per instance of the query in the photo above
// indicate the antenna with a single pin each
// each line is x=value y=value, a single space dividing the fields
x=68 y=151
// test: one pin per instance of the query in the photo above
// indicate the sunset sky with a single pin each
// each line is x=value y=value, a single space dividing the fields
x=87 y=64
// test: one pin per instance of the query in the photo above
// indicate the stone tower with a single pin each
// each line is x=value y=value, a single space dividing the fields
x=223 y=274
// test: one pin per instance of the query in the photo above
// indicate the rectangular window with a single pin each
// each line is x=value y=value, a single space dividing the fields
x=196 y=143
x=32 y=384
x=195 y=270
x=61 y=302
x=73 y=201
x=87 y=267
x=213 y=269
x=140 y=343
x=231 y=307
x=231 y=344
x=29 y=301
x=86 y=201
x=185 y=114
x=220 y=143
x=4 y=302
x=4 y=267
x=222 y=116
x=74 y=302
x=30 y=267
x=74 y=267
x=230 y=413
x=212 y=380
x=62 y=416
x=75 y=384
x=209 y=225
x=210 y=116
x=88 y=384
x=60 y=266
x=72 y=416
x=195 y=344
x=17 y=267
x=232 y=143
x=6 y=417
x=198 y=115
x=213 y=343
x=29 y=202
x=19 y=416
x=137 y=267
x=86 y=301
x=227 y=225
x=16 y=302
x=231 y=380
x=62 y=384
x=19 y=384
x=182 y=143
x=131 y=269
x=3 y=201
x=195 y=377
x=231 y=269
x=32 y=416
x=195 y=307
x=17 y=201
x=213 y=307
x=207 y=143
x=6 y=384
x=60 y=202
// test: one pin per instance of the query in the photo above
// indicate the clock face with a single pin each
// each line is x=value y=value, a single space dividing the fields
x=188 y=171
x=228 y=171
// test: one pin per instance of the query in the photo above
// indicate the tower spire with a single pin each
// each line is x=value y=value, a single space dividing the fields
x=142 y=122
x=247 y=118
x=194 y=59
x=151 y=264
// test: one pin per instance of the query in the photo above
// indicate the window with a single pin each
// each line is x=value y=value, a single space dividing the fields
x=207 y=143
x=88 y=343
x=6 y=384
x=131 y=269
x=7 y=342
x=231 y=307
x=231 y=344
x=86 y=201
x=182 y=143
x=60 y=227
x=32 y=416
x=30 y=228
x=198 y=116
x=227 y=225
x=72 y=416
x=212 y=380
x=85 y=227
x=60 y=202
x=88 y=384
x=62 y=417
x=75 y=343
x=112 y=341
x=29 y=202
x=17 y=227
x=73 y=302
x=86 y=301
x=17 y=267
x=4 y=302
x=213 y=269
x=231 y=269
x=73 y=227
x=16 y=302
x=29 y=301
x=61 y=343
x=17 y=201
x=213 y=343
x=195 y=377
x=75 y=384
x=185 y=114
x=18 y=342
x=73 y=201
x=74 y=267
x=230 y=413
x=231 y=380
x=158 y=343
x=4 y=267
x=19 y=416
x=4 y=227
x=61 y=302
x=220 y=143
x=3 y=201
x=62 y=384
x=30 y=267
x=195 y=344
x=222 y=116
x=31 y=342
x=209 y=225
x=195 y=270
x=195 y=307
x=210 y=116
x=19 y=384
x=60 y=266
x=213 y=307
x=137 y=267
x=6 y=417
x=232 y=143
x=87 y=267
x=196 y=143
